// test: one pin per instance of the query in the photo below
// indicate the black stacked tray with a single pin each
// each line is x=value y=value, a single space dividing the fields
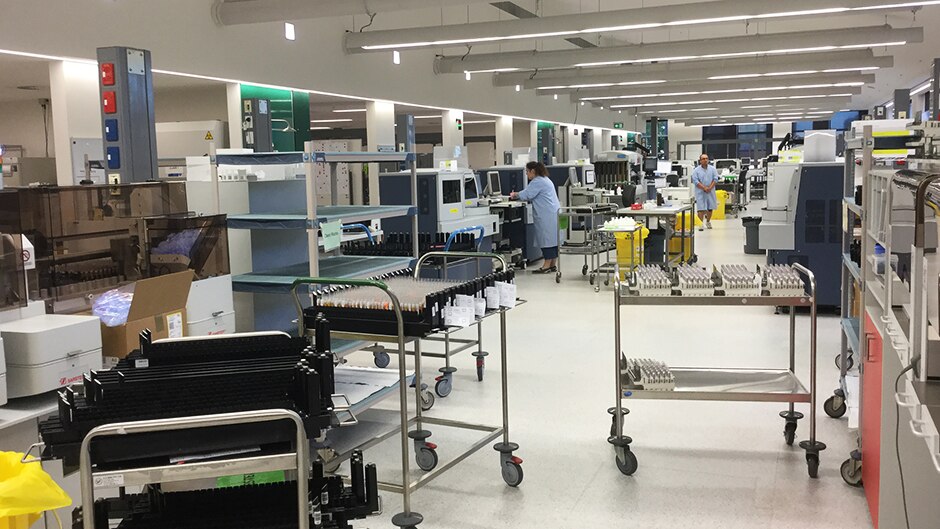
x=189 y=378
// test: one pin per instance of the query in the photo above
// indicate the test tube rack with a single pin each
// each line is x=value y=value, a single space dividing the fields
x=694 y=281
x=737 y=280
x=652 y=280
x=783 y=281
x=650 y=375
x=364 y=310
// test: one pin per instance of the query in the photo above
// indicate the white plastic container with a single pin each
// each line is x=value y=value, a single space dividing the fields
x=210 y=309
x=48 y=352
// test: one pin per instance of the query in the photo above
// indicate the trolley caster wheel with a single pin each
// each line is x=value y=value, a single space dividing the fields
x=835 y=406
x=558 y=277
x=382 y=359
x=607 y=282
x=850 y=362
x=512 y=472
x=851 y=471
x=480 y=369
x=591 y=279
x=481 y=364
x=443 y=387
x=626 y=461
x=426 y=457
x=789 y=433
x=812 y=465
x=427 y=400
x=584 y=270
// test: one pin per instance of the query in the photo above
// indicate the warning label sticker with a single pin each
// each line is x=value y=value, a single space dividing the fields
x=209 y=135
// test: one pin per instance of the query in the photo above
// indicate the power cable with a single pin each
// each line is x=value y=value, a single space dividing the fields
x=897 y=436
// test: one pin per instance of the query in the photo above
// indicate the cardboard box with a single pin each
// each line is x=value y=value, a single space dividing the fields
x=159 y=304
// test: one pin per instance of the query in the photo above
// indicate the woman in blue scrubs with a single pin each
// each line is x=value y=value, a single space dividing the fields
x=544 y=198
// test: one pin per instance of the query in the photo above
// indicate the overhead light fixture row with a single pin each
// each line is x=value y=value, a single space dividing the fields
x=562 y=26
x=728 y=91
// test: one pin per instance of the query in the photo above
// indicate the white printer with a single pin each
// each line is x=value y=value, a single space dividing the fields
x=48 y=352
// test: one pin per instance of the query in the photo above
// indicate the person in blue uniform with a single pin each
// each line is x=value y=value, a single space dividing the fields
x=544 y=198
x=705 y=179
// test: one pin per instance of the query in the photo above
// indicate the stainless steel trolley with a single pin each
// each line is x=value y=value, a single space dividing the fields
x=425 y=452
x=591 y=216
x=722 y=384
x=444 y=383
x=616 y=266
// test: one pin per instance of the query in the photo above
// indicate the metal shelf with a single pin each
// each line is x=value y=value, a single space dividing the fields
x=732 y=301
x=260 y=158
x=281 y=280
x=744 y=385
x=853 y=268
x=362 y=157
x=850 y=326
x=852 y=206
x=192 y=471
x=299 y=221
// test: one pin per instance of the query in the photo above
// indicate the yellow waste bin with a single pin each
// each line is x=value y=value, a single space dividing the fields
x=630 y=249
x=689 y=224
x=719 y=213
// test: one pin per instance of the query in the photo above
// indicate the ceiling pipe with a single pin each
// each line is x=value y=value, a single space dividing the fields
x=725 y=85
x=681 y=50
x=681 y=71
x=230 y=13
x=586 y=24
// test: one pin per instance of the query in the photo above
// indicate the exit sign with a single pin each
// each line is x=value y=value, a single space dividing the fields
x=618 y=125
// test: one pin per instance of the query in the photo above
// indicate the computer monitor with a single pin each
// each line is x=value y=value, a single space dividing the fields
x=471 y=185
x=650 y=165
x=492 y=183
x=589 y=178
x=664 y=167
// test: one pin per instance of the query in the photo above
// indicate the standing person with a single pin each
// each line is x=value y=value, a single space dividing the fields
x=541 y=193
x=705 y=179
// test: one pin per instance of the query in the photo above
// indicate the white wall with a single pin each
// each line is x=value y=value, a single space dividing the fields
x=677 y=133
x=481 y=154
x=521 y=134
x=21 y=124
x=76 y=110
x=198 y=103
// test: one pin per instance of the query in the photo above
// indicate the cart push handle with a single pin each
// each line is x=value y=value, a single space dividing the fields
x=479 y=256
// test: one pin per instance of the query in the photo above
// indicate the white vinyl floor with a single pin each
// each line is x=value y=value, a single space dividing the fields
x=701 y=464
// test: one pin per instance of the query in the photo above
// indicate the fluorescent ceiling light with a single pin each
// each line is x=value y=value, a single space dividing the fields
x=289 y=33
x=396 y=57
x=781 y=74
x=922 y=88
x=494 y=70
x=740 y=54
x=740 y=100
x=890 y=104
x=321 y=128
x=429 y=117
x=335 y=120
x=569 y=25
x=467 y=75
x=479 y=122
x=349 y=110
x=728 y=91
x=860 y=69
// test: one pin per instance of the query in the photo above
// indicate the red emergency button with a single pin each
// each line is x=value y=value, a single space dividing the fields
x=109 y=102
x=107 y=74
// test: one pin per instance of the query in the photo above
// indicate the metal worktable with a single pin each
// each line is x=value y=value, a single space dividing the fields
x=721 y=384
x=592 y=218
x=686 y=228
